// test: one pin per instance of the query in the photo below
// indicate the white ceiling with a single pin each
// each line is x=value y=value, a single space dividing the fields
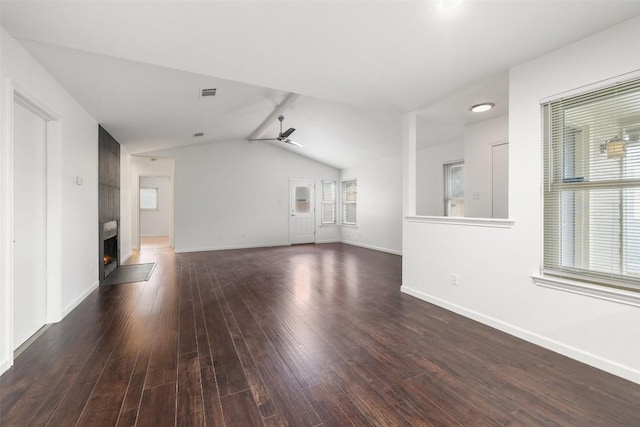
x=136 y=66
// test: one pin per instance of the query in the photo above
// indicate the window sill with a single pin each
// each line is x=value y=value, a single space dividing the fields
x=474 y=222
x=588 y=289
x=349 y=225
x=328 y=225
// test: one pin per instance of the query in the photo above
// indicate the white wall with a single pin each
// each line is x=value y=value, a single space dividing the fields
x=73 y=218
x=430 y=176
x=478 y=140
x=157 y=222
x=495 y=265
x=236 y=194
x=379 y=214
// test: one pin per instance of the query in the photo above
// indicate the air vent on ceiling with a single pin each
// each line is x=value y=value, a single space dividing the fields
x=207 y=92
x=198 y=134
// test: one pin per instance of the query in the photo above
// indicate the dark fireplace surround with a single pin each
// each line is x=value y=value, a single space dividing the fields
x=108 y=204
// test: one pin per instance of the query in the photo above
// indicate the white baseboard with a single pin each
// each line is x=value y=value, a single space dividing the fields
x=79 y=299
x=126 y=257
x=4 y=366
x=223 y=248
x=594 y=360
x=328 y=241
x=154 y=235
x=375 y=248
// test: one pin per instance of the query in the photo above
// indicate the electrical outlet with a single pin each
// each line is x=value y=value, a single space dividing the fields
x=454 y=279
x=476 y=195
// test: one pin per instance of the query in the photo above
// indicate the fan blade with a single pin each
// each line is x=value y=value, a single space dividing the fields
x=288 y=141
x=264 y=139
x=287 y=132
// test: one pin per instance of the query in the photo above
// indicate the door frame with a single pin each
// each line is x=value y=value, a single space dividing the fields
x=171 y=207
x=313 y=204
x=53 y=211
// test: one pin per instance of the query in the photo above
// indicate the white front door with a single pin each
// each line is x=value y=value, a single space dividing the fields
x=29 y=224
x=302 y=221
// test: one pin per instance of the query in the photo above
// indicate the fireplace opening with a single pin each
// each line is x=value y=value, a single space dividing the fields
x=110 y=253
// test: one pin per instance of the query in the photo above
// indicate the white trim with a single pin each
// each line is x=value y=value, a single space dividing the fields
x=224 y=248
x=76 y=302
x=375 y=248
x=6 y=229
x=592 y=87
x=451 y=220
x=596 y=361
x=126 y=257
x=5 y=365
x=328 y=241
x=16 y=93
x=587 y=289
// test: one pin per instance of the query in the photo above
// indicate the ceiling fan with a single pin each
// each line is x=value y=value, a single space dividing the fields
x=283 y=136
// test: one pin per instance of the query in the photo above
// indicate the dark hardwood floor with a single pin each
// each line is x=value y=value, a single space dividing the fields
x=301 y=336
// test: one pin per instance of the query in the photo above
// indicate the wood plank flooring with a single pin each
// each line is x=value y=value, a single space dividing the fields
x=303 y=336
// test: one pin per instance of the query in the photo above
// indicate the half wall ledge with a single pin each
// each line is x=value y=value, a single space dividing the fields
x=473 y=222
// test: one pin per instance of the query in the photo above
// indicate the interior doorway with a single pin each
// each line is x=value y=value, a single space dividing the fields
x=155 y=201
x=302 y=219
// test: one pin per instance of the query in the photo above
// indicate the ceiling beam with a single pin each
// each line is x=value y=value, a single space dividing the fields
x=289 y=102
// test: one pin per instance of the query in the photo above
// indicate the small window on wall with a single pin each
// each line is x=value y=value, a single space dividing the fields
x=349 y=202
x=454 y=189
x=328 y=202
x=148 y=198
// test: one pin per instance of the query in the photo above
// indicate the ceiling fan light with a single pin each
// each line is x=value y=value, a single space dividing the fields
x=481 y=108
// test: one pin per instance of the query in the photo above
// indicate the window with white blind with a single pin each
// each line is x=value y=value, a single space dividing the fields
x=328 y=202
x=349 y=202
x=591 y=145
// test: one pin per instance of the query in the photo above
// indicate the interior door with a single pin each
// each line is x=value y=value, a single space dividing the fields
x=302 y=221
x=29 y=224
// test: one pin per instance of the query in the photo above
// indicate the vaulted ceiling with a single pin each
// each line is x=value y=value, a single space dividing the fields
x=137 y=66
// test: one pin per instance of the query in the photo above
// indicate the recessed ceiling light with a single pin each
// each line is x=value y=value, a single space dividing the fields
x=480 y=108
x=198 y=134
